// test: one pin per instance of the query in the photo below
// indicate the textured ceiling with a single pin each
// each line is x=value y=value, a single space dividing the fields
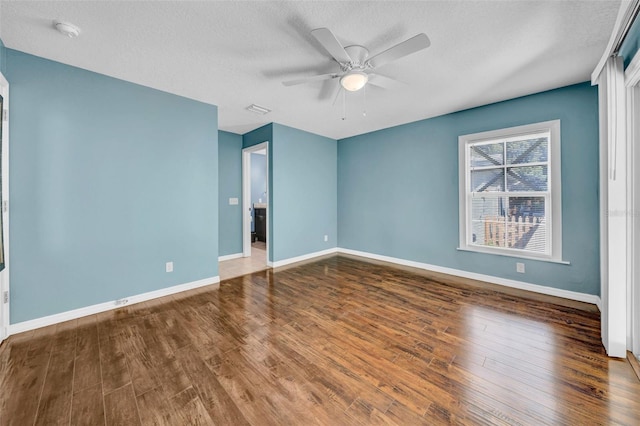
x=233 y=54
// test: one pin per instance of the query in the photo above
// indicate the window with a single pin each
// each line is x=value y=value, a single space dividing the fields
x=510 y=191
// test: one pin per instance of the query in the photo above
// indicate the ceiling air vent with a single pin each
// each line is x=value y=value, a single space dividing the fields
x=258 y=109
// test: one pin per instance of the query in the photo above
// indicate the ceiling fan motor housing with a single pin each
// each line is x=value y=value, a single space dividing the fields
x=358 y=55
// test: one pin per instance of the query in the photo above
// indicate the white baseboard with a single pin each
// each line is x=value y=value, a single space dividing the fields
x=566 y=294
x=303 y=257
x=229 y=257
x=102 y=307
x=599 y=303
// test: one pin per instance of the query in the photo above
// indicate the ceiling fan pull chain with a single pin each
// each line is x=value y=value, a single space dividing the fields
x=344 y=105
x=364 y=94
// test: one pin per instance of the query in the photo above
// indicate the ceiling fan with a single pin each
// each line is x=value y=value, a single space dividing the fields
x=356 y=67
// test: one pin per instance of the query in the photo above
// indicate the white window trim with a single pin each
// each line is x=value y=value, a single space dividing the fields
x=555 y=226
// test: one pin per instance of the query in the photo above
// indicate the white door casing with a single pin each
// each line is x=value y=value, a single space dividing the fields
x=632 y=82
x=246 y=198
x=4 y=209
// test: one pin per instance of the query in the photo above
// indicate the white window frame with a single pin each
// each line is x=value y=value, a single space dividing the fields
x=553 y=209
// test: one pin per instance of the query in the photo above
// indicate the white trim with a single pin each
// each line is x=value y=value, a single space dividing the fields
x=614 y=237
x=246 y=197
x=229 y=257
x=509 y=254
x=632 y=221
x=4 y=275
x=603 y=185
x=599 y=303
x=633 y=200
x=246 y=203
x=106 y=306
x=566 y=294
x=553 y=195
x=620 y=28
x=303 y=257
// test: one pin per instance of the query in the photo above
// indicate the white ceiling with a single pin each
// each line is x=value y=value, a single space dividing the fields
x=235 y=53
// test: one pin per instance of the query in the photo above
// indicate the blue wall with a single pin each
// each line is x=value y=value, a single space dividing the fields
x=398 y=189
x=230 y=186
x=304 y=192
x=631 y=43
x=109 y=180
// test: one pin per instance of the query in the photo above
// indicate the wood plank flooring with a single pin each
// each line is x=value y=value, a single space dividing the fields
x=338 y=341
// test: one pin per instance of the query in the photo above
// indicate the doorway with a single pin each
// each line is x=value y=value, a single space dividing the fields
x=255 y=202
x=4 y=211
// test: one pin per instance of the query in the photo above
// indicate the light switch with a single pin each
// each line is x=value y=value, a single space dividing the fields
x=233 y=201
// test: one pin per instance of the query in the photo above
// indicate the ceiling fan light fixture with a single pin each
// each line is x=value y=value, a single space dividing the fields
x=354 y=81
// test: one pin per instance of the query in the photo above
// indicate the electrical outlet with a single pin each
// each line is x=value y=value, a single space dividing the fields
x=520 y=267
x=169 y=267
x=326 y=238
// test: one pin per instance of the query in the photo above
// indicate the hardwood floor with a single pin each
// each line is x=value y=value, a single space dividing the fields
x=332 y=342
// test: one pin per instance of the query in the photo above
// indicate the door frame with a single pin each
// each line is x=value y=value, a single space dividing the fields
x=246 y=198
x=4 y=210
x=632 y=83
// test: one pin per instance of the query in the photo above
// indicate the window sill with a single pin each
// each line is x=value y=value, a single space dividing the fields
x=539 y=259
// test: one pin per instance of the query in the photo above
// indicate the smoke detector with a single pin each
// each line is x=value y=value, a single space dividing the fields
x=66 y=28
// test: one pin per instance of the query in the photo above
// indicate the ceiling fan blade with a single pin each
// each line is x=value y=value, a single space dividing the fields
x=400 y=50
x=384 y=81
x=310 y=79
x=327 y=89
x=331 y=44
x=335 y=99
